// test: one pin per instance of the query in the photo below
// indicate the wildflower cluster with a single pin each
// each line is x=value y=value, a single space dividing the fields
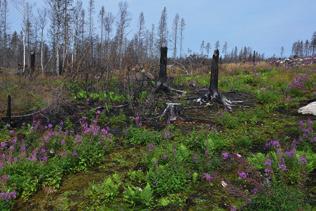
x=45 y=147
x=299 y=82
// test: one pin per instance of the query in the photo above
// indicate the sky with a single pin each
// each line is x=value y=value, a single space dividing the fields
x=264 y=25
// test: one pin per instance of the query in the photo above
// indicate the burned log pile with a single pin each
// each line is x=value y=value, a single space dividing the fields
x=294 y=61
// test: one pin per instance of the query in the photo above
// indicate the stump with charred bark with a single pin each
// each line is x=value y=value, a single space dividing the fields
x=162 y=84
x=162 y=80
x=214 y=94
x=214 y=74
x=32 y=62
x=163 y=64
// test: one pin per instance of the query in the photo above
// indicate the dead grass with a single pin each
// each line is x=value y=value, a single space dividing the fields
x=27 y=94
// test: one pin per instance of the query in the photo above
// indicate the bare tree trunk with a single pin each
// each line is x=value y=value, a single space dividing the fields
x=57 y=60
x=32 y=62
x=24 y=52
x=214 y=94
x=214 y=74
x=163 y=65
x=42 y=51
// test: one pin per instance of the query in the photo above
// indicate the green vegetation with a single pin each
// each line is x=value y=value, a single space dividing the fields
x=258 y=157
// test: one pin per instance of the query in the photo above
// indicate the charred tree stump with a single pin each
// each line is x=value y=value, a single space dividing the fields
x=162 y=84
x=163 y=64
x=9 y=111
x=214 y=74
x=162 y=80
x=213 y=93
x=254 y=61
x=32 y=61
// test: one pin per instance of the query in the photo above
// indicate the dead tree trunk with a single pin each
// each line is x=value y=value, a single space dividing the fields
x=162 y=84
x=162 y=80
x=214 y=94
x=254 y=61
x=32 y=62
x=214 y=74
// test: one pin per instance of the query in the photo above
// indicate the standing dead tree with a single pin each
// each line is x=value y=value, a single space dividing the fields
x=162 y=84
x=213 y=94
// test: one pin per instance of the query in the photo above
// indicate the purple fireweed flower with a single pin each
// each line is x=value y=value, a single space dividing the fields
x=225 y=155
x=150 y=147
x=207 y=177
x=254 y=191
x=7 y=196
x=138 y=120
x=282 y=165
x=12 y=132
x=4 y=178
x=78 y=139
x=301 y=124
x=49 y=126
x=74 y=153
x=232 y=208
x=63 y=142
x=278 y=151
x=12 y=148
x=33 y=156
x=299 y=82
x=272 y=143
x=1 y=164
x=268 y=171
x=268 y=162
x=13 y=141
x=43 y=150
x=291 y=153
x=23 y=148
x=105 y=131
x=3 y=144
x=242 y=175
x=44 y=158
x=303 y=160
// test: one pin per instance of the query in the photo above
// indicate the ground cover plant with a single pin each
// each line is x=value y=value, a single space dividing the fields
x=238 y=163
x=99 y=112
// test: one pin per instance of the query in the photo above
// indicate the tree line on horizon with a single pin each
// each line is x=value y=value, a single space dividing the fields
x=306 y=48
x=66 y=37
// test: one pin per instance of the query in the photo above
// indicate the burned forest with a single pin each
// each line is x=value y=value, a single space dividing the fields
x=157 y=105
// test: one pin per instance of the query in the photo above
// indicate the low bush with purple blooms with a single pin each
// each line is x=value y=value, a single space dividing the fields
x=50 y=153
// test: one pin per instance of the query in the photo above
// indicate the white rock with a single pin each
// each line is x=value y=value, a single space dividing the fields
x=309 y=109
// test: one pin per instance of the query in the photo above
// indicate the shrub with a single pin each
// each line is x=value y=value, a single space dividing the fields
x=229 y=121
x=138 y=196
x=90 y=153
x=118 y=120
x=100 y=194
x=138 y=136
x=137 y=177
x=278 y=197
x=24 y=177
x=267 y=96
x=202 y=141
x=166 y=179
x=257 y=160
